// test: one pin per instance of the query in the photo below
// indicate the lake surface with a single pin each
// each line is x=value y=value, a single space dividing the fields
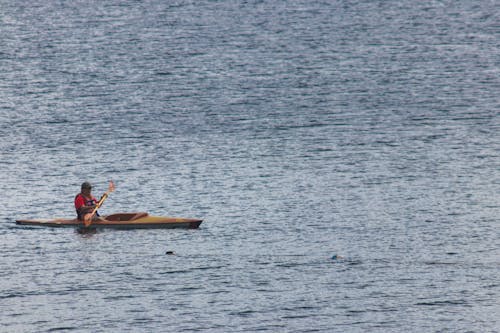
x=344 y=156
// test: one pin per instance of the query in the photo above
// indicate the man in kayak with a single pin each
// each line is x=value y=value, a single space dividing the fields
x=85 y=202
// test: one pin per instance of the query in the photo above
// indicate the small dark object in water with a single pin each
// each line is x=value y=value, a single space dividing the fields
x=170 y=252
x=336 y=257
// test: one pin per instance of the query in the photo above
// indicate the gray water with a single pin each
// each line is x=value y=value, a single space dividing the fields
x=297 y=130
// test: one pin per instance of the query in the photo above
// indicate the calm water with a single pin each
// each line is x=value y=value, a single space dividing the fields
x=296 y=130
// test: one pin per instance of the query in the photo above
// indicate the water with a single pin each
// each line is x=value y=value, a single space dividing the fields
x=298 y=131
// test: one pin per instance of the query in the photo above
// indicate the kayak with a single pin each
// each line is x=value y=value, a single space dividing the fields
x=120 y=221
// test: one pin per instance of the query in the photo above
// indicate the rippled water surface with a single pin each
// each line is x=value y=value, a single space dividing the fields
x=344 y=156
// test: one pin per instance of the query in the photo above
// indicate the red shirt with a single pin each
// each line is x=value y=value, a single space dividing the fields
x=80 y=201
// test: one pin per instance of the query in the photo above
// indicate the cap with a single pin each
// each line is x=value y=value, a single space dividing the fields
x=86 y=185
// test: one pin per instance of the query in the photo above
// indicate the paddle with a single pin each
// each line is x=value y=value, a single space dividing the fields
x=87 y=219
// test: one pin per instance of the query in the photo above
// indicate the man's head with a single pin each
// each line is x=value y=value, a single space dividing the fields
x=86 y=187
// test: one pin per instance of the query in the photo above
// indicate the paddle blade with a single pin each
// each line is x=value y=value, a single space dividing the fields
x=111 y=187
x=87 y=219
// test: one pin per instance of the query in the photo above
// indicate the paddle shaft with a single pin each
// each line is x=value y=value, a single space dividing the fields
x=99 y=204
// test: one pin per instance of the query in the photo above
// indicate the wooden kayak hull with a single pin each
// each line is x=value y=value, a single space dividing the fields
x=121 y=221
